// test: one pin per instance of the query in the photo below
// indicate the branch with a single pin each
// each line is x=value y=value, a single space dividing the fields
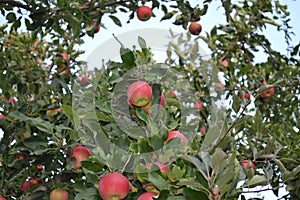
x=267 y=189
x=234 y=123
x=16 y=4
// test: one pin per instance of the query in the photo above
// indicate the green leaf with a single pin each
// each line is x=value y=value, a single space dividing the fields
x=90 y=193
x=168 y=15
x=191 y=194
x=255 y=181
x=116 y=20
x=158 y=181
x=11 y=17
x=128 y=58
x=236 y=104
x=142 y=42
x=199 y=165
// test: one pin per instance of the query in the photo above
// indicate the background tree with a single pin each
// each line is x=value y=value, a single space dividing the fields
x=43 y=118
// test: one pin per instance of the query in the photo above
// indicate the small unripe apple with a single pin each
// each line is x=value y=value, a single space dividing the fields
x=199 y=106
x=81 y=153
x=176 y=134
x=139 y=94
x=2 y=198
x=97 y=29
x=163 y=168
x=84 y=80
x=195 y=28
x=25 y=186
x=113 y=186
x=144 y=13
x=245 y=165
x=59 y=194
x=268 y=93
x=147 y=196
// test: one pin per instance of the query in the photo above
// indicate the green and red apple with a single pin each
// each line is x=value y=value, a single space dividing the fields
x=176 y=134
x=59 y=194
x=195 y=28
x=139 y=94
x=144 y=13
x=80 y=153
x=147 y=196
x=113 y=186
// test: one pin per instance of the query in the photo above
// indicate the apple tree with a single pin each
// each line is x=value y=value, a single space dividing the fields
x=65 y=127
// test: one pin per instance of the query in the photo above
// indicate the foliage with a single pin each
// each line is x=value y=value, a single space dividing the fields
x=48 y=111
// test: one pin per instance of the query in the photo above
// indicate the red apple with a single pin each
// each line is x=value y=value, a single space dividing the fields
x=224 y=63
x=163 y=168
x=113 y=186
x=176 y=134
x=199 y=106
x=246 y=96
x=25 y=186
x=65 y=56
x=139 y=94
x=147 y=196
x=67 y=72
x=81 y=153
x=2 y=198
x=34 y=181
x=59 y=194
x=245 y=165
x=97 y=29
x=144 y=13
x=268 y=93
x=203 y=130
x=40 y=167
x=2 y=116
x=84 y=80
x=162 y=100
x=195 y=28
x=219 y=87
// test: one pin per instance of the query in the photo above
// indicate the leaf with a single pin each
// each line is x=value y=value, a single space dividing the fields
x=142 y=42
x=191 y=194
x=158 y=181
x=11 y=17
x=127 y=58
x=255 y=181
x=116 y=20
x=195 y=161
x=236 y=104
x=168 y=15
x=90 y=193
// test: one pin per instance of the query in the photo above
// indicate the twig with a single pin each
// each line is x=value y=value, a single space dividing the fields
x=267 y=189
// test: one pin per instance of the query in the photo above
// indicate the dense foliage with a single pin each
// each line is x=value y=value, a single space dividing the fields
x=46 y=110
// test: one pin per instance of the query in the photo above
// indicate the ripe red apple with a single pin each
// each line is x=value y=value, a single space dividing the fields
x=34 y=181
x=245 y=165
x=81 y=153
x=195 y=28
x=2 y=198
x=144 y=13
x=163 y=168
x=97 y=29
x=40 y=167
x=147 y=196
x=246 y=96
x=162 y=100
x=65 y=56
x=84 y=80
x=203 y=130
x=268 y=93
x=2 y=116
x=25 y=186
x=59 y=194
x=224 y=63
x=67 y=72
x=176 y=134
x=199 y=106
x=113 y=186
x=139 y=94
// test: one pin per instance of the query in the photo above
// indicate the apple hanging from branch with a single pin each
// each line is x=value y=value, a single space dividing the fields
x=144 y=13
x=59 y=194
